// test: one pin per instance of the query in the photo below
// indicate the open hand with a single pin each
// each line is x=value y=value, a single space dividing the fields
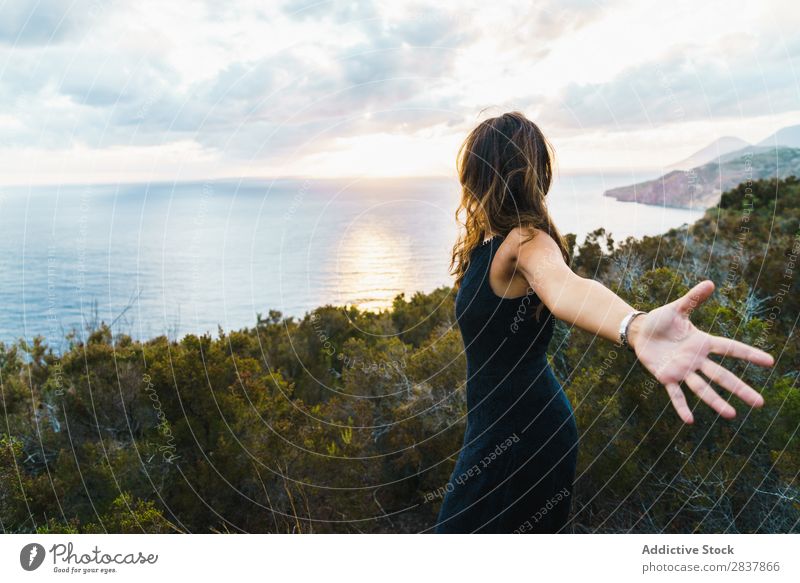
x=674 y=350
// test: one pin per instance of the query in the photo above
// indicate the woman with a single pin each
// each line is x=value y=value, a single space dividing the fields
x=516 y=468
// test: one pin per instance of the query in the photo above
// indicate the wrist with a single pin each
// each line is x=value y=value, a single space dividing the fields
x=627 y=326
x=635 y=331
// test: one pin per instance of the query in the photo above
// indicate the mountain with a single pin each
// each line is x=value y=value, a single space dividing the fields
x=701 y=187
x=711 y=152
x=788 y=136
x=730 y=147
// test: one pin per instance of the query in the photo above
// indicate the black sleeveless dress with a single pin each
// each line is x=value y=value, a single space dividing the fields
x=515 y=471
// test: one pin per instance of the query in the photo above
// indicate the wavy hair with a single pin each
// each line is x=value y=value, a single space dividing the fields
x=505 y=168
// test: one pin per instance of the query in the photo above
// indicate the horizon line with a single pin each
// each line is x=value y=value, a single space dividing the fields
x=580 y=171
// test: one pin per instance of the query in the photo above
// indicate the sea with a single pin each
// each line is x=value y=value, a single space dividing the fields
x=193 y=257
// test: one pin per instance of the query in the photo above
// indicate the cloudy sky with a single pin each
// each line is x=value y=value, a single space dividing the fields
x=103 y=91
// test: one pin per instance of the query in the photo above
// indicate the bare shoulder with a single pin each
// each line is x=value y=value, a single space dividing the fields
x=535 y=255
x=528 y=258
x=527 y=242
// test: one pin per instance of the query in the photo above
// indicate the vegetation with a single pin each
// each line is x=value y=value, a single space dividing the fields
x=346 y=421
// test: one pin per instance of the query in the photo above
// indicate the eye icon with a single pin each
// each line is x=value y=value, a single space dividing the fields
x=31 y=556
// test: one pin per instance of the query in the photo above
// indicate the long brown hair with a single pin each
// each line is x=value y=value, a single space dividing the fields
x=505 y=169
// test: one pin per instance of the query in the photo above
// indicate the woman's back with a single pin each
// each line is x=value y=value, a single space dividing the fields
x=523 y=325
x=519 y=448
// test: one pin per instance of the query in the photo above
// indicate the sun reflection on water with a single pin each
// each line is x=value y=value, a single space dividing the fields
x=374 y=264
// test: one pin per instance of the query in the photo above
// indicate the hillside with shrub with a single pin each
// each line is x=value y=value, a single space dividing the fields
x=350 y=421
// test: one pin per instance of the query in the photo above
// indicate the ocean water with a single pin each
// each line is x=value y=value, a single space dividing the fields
x=183 y=258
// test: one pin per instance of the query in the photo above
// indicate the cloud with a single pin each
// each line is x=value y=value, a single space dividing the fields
x=327 y=9
x=45 y=22
x=280 y=101
x=693 y=83
x=248 y=82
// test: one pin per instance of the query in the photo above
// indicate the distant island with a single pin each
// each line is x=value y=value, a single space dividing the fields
x=699 y=181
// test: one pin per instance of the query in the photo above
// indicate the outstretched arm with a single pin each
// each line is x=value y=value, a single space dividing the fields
x=665 y=340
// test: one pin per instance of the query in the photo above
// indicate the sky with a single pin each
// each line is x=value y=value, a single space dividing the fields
x=112 y=91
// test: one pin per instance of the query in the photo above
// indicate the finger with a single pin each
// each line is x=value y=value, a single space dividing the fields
x=727 y=380
x=679 y=402
x=695 y=296
x=736 y=349
x=709 y=396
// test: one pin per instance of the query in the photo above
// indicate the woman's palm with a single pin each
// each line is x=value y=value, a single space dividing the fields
x=674 y=351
